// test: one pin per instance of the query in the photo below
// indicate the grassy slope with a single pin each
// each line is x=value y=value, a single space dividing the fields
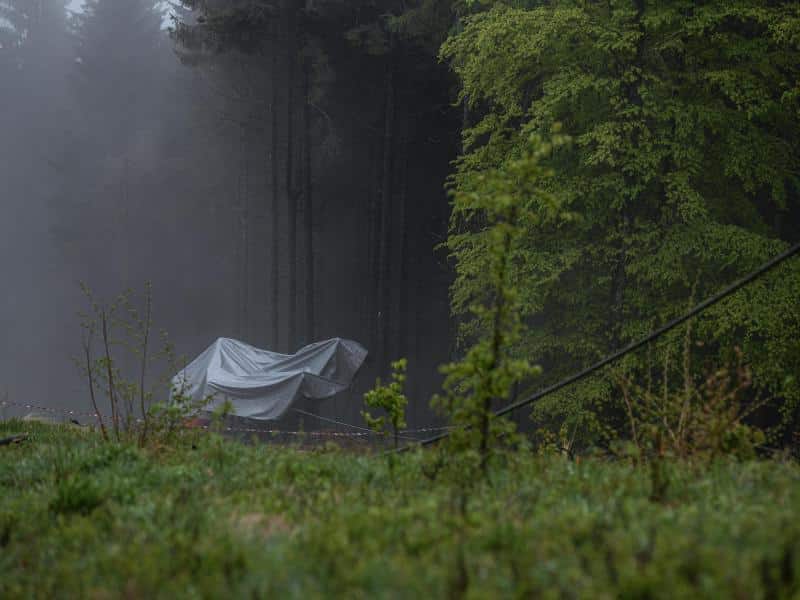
x=79 y=518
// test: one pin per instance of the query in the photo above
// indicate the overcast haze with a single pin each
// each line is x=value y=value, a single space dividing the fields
x=119 y=164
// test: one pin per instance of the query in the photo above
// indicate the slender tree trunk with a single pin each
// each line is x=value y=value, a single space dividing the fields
x=122 y=242
x=402 y=227
x=373 y=256
x=237 y=271
x=241 y=255
x=290 y=189
x=308 y=208
x=245 y=231
x=486 y=414
x=363 y=229
x=404 y=321
x=147 y=323
x=274 y=265
x=110 y=373
x=87 y=349
x=384 y=262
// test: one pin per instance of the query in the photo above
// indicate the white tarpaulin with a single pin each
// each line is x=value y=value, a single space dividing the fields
x=262 y=384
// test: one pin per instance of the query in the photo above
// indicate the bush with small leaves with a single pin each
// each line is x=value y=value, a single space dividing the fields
x=392 y=400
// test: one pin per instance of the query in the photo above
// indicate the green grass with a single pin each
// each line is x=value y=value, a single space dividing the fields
x=79 y=518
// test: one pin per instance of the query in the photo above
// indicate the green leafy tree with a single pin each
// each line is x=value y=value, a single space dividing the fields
x=683 y=172
x=391 y=399
x=496 y=206
x=499 y=205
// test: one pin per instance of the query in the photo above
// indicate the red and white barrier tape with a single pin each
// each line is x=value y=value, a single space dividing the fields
x=60 y=411
x=283 y=432
x=77 y=413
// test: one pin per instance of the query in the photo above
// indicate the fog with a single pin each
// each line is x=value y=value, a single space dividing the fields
x=281 y=194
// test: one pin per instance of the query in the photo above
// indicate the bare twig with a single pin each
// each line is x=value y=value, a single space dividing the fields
x=146 y=325
x=87 y=351
x=629 y=408
x=110 y=372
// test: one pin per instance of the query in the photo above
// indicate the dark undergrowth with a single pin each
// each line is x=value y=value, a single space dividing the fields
x=207 y=517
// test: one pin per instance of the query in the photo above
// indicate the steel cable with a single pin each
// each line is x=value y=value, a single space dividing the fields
x=734 y=287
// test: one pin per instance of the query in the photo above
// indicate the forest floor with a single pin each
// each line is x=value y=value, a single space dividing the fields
x=216 y=518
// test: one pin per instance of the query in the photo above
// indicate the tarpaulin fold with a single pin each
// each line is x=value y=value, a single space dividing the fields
x=263 y=385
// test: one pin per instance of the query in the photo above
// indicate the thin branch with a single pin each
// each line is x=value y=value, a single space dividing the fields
x=87 y=350
x=110 y=373
x=147 y=323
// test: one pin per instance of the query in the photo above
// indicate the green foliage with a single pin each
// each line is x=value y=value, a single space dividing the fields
x=391 y=399
x=270 y=522
x=427 y=22
x=694 y=419
x=683 y=173
x=76 y=495
x=168 y=419
x=124 y=333
x=501 y=202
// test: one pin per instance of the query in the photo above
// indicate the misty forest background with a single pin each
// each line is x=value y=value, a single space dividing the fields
x=280 y=194
x=278 y=171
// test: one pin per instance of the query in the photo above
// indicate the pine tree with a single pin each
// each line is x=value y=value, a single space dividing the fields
x=116 y=84
x=13 y=24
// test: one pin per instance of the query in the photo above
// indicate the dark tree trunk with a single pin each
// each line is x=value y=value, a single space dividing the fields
x=402 y=226
x=308 y=207
x=291 y=49
x=373 y=256
x=242 y=250
x=404 y=320
x=274 y=264
x=244 y=216
x=384 y=261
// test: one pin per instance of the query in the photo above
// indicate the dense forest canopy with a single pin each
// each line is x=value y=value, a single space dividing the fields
x=326 y=124
x=281 y=184
x=681 y=174
x=330 y=86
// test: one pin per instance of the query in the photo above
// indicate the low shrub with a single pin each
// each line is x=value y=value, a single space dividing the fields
x=233 y=520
